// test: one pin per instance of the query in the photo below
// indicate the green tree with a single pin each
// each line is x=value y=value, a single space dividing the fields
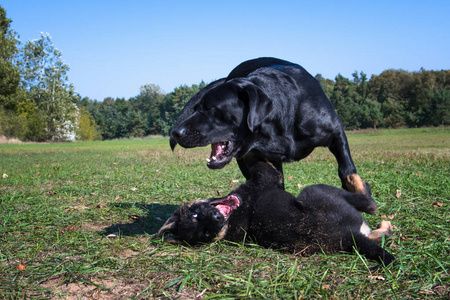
x=371 y=116
x=327 y=84
x=9 y=72
x=116 y=118
x=428 y=91
x=392 y=89
x=147 y=103
x=137 y=123
x=173 y=104
x=361 y=84
x=44 y=76
x=93 y=107
x=440 y=107
x=346 y=102
x=86 y=126
x=11 y=94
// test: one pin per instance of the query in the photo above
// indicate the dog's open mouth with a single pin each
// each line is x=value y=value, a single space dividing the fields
x=220 y=154
x=226 y=205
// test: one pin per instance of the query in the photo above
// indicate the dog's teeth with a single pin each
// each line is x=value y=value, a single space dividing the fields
x=223 y=146
x=213 y=158
x=208 y=160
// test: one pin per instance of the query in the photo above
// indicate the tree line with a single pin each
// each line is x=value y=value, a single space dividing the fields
x=38 y=102
x=395 y=98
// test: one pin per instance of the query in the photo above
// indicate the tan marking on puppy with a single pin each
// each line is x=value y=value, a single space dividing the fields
x=172 y=240
x=169 y=225
x=189 y=204
x=377 y=234
x=222 y=233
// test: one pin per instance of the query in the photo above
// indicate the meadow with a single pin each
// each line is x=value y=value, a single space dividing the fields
x=77 y=221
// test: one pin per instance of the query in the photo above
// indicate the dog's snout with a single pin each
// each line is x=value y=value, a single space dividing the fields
x=178 y=132
x=217 y=216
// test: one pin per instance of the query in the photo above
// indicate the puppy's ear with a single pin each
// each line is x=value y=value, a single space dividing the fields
x=259 y=107
x=170 y=228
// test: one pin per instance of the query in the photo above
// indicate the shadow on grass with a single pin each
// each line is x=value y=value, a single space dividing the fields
x=148 y=223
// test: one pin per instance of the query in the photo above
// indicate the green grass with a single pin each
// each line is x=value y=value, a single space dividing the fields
x=77 y=220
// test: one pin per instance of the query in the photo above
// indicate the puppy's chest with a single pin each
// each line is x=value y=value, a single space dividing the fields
x=237 y=226
x=278 y=223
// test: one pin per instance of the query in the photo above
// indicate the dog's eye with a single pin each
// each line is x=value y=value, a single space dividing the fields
x=194 y=216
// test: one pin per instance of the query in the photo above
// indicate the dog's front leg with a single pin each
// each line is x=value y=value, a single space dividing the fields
x=252 y=158
x=351 y=181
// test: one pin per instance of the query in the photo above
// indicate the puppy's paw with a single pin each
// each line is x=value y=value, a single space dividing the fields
x=384 y=227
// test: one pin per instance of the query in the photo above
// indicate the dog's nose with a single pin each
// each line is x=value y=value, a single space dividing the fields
x=217 y=216
x=178 y=132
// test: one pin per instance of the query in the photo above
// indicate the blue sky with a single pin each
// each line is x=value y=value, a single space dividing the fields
x=114 y=47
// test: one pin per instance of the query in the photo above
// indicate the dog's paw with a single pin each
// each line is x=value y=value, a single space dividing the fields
x=356 y=184
x=384 y=227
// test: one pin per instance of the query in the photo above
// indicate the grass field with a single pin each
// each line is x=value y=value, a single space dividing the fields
x=77 y=220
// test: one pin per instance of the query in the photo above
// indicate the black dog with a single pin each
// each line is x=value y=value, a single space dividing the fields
x=266 y=108
x=241 y=71
x=322 y=217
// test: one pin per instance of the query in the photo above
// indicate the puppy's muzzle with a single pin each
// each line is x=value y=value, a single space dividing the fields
x=216 y=216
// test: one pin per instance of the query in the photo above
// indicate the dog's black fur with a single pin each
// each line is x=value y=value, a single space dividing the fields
x=240 y=71
x=322 y=217
x=266 y=108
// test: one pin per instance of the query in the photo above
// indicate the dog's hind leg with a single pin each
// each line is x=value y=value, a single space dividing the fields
x=359 y=201
x=371 y=250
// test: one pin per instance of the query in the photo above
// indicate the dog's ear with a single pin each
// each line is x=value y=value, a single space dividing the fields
x=259 y=106
x=170 y=228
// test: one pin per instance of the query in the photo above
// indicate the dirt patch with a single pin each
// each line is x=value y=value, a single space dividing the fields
x=109 y=288
x=442 y=290
x=91 y=226
x=112 y=288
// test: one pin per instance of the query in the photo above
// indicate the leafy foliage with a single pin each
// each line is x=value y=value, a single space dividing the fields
x=393 y=99
x=87 y=129
x=9 y=73
x=38 y=103
x=46 y=81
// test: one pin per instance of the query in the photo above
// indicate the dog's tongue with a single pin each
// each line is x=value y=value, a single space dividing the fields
x=224 y=209
x=216 y=151
x=226 y=205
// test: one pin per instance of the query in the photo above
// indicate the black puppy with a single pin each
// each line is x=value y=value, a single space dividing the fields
x=266 y=108
x=322 y=217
